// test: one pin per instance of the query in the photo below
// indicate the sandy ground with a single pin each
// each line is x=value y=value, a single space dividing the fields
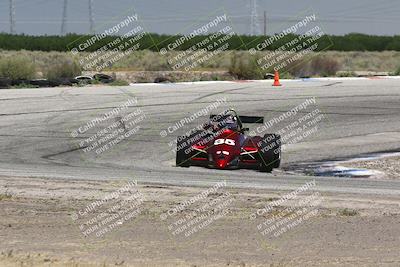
x=390 y=166
x=41 y=225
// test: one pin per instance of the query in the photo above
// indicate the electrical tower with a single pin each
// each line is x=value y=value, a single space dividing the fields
x=91 y=17
x=12 y=16
x=254 y=24
x=64 y=18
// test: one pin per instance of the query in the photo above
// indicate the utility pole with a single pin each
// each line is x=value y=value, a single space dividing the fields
x=265 y=23
x=64 y=18
x=254 y=25
x=12 y=16
x=91 y=17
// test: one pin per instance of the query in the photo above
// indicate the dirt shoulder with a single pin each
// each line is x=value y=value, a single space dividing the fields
x=46 y=222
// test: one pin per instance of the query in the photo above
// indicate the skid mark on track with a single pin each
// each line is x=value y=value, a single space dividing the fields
x=331 y=84
x=63 y=152
x=221 y=92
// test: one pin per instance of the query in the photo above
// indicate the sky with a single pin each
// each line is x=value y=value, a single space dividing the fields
x=39 y=17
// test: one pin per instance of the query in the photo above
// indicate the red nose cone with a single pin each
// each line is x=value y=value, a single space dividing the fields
x=221 y=163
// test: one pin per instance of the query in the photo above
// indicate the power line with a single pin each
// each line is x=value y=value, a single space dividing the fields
x=254 y=24
x=265 y=22
x=64 y=18
x=12 y=16
x=91 y=17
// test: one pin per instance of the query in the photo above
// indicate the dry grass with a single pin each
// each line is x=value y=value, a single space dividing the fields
x=348 y=212
x=366 y=61
x=5 y=196
x=397 y=71
x=64 y=68
x=17 y=67
x=387 y=61
x=245 y=67
x=237 y=62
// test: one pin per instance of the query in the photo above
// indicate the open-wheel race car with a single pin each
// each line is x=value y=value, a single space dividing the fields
x=222 y=143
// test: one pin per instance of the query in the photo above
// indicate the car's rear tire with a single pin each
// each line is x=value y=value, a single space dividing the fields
x=269 y=156
x=277 y=152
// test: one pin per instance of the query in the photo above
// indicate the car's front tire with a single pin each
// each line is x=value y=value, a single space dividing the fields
x=269 y=152
x=277 y=152
x=182 y=157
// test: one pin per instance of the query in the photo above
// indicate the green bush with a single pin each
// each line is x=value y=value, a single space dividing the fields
x=324 y=66
x=64 y=69
x=119 y=83
x=348 y=212
x=245 y=67
x=5 y=196
x=397 y=71
x=346 y=74
x=299 y=69
x=317 y=66
x=24 y=86
x=17 y=67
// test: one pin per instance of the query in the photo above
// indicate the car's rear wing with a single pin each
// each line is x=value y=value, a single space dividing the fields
x=251 y=119
x=244 y=119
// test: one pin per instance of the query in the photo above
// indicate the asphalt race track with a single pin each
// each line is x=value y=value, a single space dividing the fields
x=359 y=116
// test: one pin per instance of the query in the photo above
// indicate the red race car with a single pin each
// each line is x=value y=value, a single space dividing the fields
x=223 y=144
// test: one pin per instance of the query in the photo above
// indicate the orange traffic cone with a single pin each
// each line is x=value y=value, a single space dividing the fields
x=276 y=79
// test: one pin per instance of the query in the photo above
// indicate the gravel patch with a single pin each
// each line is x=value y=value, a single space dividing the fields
x=390 y=166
